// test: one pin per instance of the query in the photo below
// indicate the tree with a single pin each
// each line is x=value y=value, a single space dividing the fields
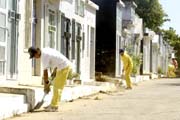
x=171 y=37
x=174 y=40
x=152 y=13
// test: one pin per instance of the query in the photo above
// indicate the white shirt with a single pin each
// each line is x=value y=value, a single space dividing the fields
x=52 y=58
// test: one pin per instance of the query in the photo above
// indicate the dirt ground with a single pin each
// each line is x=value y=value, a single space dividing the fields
x=149 y=100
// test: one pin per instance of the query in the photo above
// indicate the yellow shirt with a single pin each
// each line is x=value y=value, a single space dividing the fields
x=127 y=61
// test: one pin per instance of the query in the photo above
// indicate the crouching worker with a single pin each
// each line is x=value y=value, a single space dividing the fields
x=171 y=71
x=172 y=67
x=52 y=58
x=127 y=67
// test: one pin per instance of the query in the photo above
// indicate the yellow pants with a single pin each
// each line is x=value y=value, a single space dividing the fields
x=127 y=77
x=171 y=71
x=58 y=85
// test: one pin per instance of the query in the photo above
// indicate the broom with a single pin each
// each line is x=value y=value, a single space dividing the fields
x=40 y=103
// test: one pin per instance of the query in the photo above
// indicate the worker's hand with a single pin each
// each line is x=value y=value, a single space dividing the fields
x=122 y=70
x=54 y=72
x=53 y=75
x=47 y=87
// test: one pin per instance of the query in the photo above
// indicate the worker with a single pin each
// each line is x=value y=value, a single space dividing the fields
x=52 y=58
x=175 y=63
x=127 y=67
x=171 y=71
x=172 y=67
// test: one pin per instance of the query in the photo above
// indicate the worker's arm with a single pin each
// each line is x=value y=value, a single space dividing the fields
x=123 y=70
x=45 y=76
x=46 y=81
x=53 y=74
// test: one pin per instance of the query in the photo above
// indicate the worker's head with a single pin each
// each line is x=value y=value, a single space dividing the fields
x=34 y=52
x=173 y=59
x=121 y=52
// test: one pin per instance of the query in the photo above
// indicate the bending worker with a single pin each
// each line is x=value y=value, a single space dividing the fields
x=172 y=68
x=127 y=67
x=52 y=58
x=171 y=71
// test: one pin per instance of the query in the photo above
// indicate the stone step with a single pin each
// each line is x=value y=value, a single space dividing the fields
x=12 y=105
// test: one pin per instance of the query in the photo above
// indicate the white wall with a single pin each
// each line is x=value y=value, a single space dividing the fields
x=68 y=8
x=138 y=29
x=88 y=61
x=119 y=12
x=24 y=63
x=155 y=53
x=146 y=56
x=25 y=71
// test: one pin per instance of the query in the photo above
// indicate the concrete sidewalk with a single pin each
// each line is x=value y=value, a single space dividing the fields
x=22 y=99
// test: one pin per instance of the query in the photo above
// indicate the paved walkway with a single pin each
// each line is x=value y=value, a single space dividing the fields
x=150 y=100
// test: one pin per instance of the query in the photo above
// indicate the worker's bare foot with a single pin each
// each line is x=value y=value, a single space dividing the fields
x=51 y=109
x=129 y=88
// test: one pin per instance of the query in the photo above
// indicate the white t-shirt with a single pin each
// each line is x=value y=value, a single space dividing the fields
x=52 y=58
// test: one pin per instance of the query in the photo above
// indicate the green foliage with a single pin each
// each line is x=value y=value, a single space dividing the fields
x=72 y=75
x=160 y=70
x=171 y=37
x=136 y=59
x=136 y=63
x=152 y=13
x=174 y=40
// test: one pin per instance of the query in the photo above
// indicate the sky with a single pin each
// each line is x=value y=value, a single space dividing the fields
x=172 y=8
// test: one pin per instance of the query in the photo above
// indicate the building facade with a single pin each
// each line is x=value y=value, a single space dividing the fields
x=109 y=36
x=66 y=25
x=9 y=26
x=132 y=33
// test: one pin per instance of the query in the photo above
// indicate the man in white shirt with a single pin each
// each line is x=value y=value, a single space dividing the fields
x=52 y=58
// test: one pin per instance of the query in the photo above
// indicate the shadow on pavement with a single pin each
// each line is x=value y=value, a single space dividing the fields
x=171 y=84
x=36 y=111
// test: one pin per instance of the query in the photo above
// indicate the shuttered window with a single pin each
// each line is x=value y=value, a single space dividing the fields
x=76 y=6
x=73 y=38
x=3 y=4
x=3 y=40
x=2 y=60
x=2 y=27
x=83 y=40
x=52 y=28
x=79 y=7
